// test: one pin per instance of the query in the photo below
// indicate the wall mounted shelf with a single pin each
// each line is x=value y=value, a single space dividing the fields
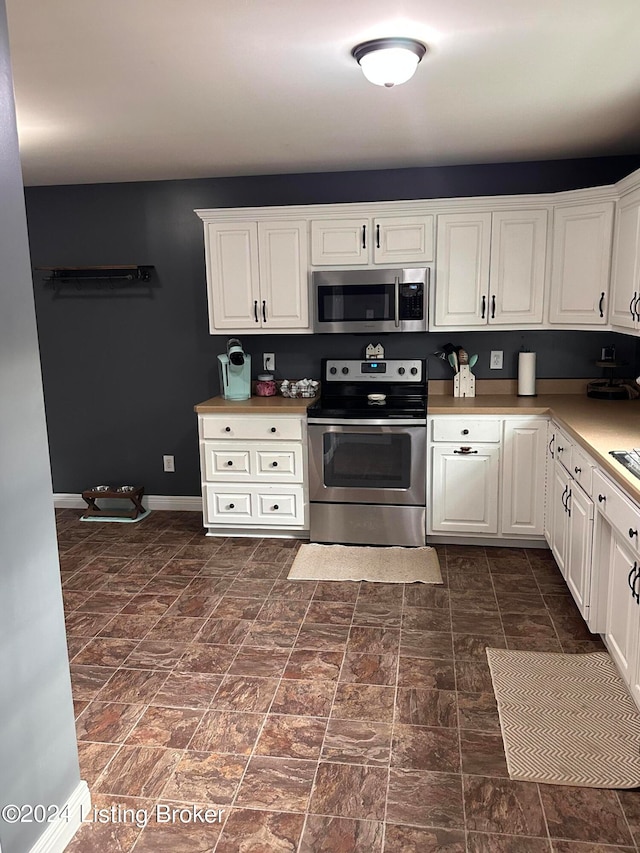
x=96 y=281
x=108 y=274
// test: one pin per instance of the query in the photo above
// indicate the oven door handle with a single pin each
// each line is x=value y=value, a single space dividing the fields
x=396 y=286
x=369 y=422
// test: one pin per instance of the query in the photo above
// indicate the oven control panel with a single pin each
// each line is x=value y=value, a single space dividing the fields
x=374 y=370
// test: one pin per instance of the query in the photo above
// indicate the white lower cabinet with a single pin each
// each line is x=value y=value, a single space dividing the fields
x=570 y=512
x=465 y=488
x=253 y=474
x=523 y=474
x=487 y=476
x=617 y=577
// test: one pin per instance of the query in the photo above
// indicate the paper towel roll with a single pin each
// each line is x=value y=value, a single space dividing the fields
x=527 y=374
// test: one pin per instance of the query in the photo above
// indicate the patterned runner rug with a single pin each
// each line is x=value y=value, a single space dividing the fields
x=365 y=563
x=566 y=719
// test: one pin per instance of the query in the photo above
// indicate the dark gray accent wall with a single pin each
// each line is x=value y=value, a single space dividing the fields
x=38 y=755
x=123 y=372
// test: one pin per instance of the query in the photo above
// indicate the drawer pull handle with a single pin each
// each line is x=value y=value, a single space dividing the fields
x=632 y=533
x=465 y=451
x=227 y=429
x=275 y=506
x=231 y=506
x=553 y=438
x=465 y=432
x=601 y=304
x=578 y=470
x=632 y=580
x=274 y=464
x=601 y=498
x=273 y=429
x=229 y=463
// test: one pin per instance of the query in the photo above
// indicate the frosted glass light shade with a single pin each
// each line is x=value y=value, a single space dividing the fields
x=389 y=62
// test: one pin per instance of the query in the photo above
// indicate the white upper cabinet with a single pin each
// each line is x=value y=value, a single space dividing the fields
x=490 y=268
x=625 y=304
x=518 y=257
x=257 y=276
x=582 y=236
x=379 y=240
x=462 y=269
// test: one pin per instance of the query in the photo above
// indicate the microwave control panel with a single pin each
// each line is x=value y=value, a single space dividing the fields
x=411 y=301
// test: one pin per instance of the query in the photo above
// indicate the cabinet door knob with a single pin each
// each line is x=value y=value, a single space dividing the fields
x=229 y=463
x=632 y=533
x=275 y=506
x=273 y=429
x=274 y=464
x=465 y=432
x=231 y=506
x=578 y=470
x=560 y=449
x=227 y=429
x=601 y=498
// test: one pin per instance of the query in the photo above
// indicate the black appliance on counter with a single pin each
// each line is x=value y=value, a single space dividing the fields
x=368 y=453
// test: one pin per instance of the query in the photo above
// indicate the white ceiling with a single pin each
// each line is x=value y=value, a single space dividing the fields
x=128 y=90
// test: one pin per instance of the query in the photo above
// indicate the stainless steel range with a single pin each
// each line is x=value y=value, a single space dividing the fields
x=367 y=453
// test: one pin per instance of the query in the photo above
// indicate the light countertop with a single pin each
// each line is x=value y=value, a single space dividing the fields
x=276 y=405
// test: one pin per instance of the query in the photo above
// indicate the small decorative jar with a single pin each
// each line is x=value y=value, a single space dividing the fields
x=266 y=386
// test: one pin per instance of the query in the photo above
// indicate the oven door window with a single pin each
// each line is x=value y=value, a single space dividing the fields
x=355 y=303
x=367 y=461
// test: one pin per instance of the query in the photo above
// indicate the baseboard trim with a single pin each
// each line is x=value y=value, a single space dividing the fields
x=493 y=542
x=58 y=834
x=186 y=503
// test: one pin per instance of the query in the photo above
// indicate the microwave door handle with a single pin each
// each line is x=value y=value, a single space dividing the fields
x=396 y=285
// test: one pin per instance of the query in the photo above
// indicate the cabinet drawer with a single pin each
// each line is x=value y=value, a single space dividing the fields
x=581 y=468
x=227 y=505
x=250 y=427
x=278 y=462
x=279 y=506
x=622 y=514
x=282 y=463
x=226 y=462
x=465 y=430
x=563 y=447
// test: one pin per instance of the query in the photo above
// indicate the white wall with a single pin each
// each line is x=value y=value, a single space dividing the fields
x=38 y=755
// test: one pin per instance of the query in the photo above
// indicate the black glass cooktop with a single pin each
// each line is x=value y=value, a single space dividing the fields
x=360 y=407
x=629 y=458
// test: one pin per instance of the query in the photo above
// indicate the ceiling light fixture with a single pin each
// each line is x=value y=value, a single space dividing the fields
x=388 y=62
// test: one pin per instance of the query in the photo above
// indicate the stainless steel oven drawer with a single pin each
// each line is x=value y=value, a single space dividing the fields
x=354 y=524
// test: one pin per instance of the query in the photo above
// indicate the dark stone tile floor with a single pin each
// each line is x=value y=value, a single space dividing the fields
x=319 y=717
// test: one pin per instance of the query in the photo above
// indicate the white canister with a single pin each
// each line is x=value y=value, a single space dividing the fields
x=527 y=374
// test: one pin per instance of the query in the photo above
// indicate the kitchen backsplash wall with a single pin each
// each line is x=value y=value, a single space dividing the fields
x=122 y=373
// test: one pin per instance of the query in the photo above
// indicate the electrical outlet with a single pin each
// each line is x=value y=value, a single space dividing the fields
x=169 y=464
x=496 y=359
x=269 y=361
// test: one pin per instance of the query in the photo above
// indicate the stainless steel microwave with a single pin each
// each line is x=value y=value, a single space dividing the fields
x=379 y=300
